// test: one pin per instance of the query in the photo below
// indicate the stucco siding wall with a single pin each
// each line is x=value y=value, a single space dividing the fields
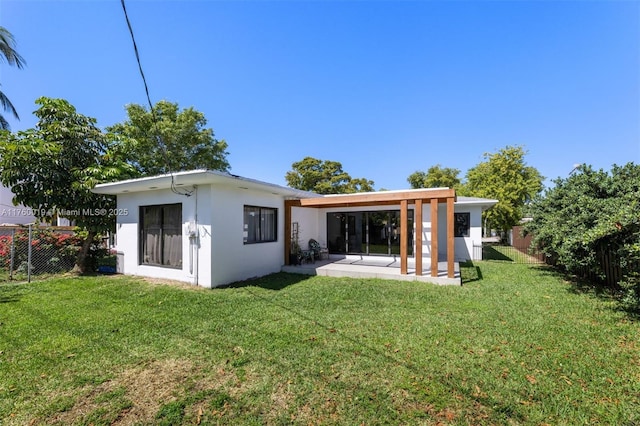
x=309 y=224
x=127 y=228
x=231 y=259
x=463 y=245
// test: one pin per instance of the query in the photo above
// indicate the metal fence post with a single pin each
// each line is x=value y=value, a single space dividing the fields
x=13 y=253
x=29 y=257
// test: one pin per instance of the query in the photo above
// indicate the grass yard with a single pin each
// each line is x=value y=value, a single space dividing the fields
x=507 y=253
x=514 y=345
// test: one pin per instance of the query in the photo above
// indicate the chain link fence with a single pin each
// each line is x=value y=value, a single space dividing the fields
x=30 y=251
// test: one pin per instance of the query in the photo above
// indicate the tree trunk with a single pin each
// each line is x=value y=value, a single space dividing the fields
x=83 y=255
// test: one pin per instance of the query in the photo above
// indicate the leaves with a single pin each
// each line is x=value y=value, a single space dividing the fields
x=590 y=212
x=324 y=177
x=54 y=166
x=9 y=55
x=167 y=140
x=436 y=177
x=504 y=176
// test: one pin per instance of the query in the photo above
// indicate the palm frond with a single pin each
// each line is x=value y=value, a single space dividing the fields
x=7 y=105
x=7 y=49
x=4 y=125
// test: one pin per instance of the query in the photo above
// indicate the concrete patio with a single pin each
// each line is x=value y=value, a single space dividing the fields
x=384 y=267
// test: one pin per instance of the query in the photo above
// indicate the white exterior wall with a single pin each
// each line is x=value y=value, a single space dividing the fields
x=10 y=214
x=463 y=245
x=310 y=221
x=193 y=270
x=218 y=255
x=231 y=259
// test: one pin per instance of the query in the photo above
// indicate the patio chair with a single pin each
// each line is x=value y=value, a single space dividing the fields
x=314 y=246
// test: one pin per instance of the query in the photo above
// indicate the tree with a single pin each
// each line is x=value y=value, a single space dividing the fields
x=504 y=176
x=9 y=55
x=324 y=177
x=53 y=167
x=168 y=140
x=589 y=213
x=436 y=177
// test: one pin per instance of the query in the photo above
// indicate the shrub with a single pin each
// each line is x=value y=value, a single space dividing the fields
x=51 y=251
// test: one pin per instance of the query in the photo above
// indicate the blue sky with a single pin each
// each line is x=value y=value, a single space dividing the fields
x=386 y=88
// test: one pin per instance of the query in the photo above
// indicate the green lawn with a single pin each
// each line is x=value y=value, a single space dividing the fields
x=514 y=345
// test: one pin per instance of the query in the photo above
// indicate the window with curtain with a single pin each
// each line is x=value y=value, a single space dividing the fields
x=161 y=235
x=260 y=224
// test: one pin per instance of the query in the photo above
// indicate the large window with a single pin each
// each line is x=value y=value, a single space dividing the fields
x=161 y=235
x=376 y=232
x=462 y=224
x=260 y=224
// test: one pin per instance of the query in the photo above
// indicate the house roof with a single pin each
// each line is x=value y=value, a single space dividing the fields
x=190 y=178
x=485 y=203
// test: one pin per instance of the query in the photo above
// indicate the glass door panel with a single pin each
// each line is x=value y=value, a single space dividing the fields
x=378 y=232
x=336 y=232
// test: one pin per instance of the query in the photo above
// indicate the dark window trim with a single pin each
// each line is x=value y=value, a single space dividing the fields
x=141 y=236
x=466 y=223
x=260 y=209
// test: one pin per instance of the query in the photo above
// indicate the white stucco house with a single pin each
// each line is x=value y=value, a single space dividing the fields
x=210 y=228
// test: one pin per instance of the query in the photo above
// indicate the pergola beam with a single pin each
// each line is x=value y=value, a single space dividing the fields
x=377 y=198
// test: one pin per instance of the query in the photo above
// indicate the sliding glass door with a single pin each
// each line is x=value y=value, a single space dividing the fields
x=376 y=232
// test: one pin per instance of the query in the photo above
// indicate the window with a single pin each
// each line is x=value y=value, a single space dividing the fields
x=462 y=224
x=260 y=224
x=161 y=235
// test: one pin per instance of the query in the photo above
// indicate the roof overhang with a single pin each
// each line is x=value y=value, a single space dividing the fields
x=484 y=203
x=194 y=178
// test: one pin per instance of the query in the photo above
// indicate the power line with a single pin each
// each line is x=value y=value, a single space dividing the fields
x=153 y=113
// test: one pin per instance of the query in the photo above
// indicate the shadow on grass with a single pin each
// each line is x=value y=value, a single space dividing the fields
x=277 y=281
x=10 y=293
x=490 y=253
x=578 y=285
x=362 y=348
x=470 y=272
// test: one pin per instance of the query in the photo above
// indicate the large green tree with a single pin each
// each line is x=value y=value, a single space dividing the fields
x=506 y=177
x=435 y=177
x=324 y=177
x=168 y=139
x=9 y=55
x=589 y=213
x=52 y=168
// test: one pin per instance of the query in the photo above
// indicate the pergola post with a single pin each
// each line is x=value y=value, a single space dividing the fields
x=450 y=235
x=434 y=237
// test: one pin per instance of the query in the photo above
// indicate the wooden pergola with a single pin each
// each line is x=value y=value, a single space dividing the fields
x=432 y=197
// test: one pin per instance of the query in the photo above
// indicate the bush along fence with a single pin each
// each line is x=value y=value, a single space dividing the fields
x=31 y=250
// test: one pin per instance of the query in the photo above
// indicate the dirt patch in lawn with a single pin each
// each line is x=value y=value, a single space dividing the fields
x=181 y=284
x=136 y=394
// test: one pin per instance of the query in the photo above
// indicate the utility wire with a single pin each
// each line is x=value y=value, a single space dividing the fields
x=153 y=112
